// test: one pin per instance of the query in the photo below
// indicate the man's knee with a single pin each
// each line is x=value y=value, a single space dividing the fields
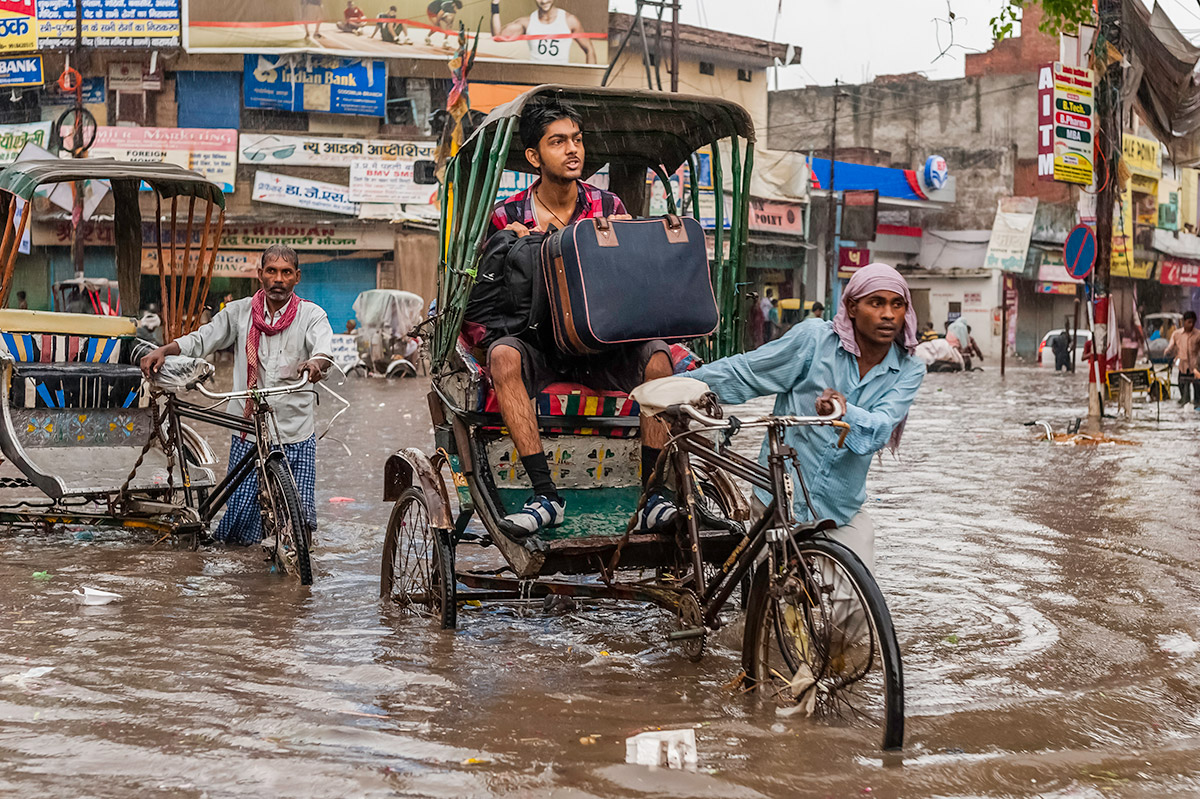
x=504 y=363
x=659 y=365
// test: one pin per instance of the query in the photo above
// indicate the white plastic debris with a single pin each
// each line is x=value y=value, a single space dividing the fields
x=670 y=748
x=28 y=679
x=94 y=596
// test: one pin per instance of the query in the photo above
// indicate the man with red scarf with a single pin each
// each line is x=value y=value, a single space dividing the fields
x=276 y=337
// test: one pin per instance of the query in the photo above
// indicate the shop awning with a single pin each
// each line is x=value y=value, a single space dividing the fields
x=897 y=184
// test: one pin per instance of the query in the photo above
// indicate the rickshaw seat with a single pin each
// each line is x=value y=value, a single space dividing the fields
x=59 y=370
x=574 y=399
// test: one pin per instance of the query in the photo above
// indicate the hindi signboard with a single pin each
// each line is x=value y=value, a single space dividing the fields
x=393 y=182
x=272 y=149
x=1066 y=124
x=13 y=139
x=18 y=26
x=314 y=195
x=1179 y=272
x=110 y=23
x=328 y=84
x=211 y=152
x=227 y=264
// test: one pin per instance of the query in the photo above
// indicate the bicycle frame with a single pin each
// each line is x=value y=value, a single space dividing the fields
x=686 y=451
x=266 y=436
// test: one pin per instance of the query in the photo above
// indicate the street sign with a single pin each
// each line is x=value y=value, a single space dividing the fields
x=1079 y=253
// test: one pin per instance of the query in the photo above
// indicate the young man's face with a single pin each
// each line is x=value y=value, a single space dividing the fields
x=879 y=316
x=545 y=5
x=559 y=154
x=1188 y=324
x=278 y=278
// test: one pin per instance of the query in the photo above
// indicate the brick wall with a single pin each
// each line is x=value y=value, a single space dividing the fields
x=1019 y=55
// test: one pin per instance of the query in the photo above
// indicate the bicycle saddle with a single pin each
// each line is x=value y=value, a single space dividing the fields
x=656 y=396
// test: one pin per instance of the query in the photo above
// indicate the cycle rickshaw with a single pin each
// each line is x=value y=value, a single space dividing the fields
x=86 y=440
x=818 y=635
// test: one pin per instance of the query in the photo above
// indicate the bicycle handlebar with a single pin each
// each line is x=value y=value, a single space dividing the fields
x=248 y=393
x=828 y=420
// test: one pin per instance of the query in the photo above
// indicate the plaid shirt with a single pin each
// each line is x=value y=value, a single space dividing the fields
x=592 y=202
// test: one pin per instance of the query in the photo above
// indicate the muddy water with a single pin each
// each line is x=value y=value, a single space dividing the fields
x=1045 y=597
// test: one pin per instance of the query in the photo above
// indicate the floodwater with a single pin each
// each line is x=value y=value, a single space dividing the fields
x=1047 y=600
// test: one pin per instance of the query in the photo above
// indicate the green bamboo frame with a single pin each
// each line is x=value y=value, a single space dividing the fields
x=468 y=194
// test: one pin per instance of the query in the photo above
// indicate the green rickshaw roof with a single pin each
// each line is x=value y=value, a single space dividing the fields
x=24 y=177
x=631 y=126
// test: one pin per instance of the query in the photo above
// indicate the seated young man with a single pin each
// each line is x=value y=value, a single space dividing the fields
x=522 y=366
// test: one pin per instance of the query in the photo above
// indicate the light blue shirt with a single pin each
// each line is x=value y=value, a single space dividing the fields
x=797 y=367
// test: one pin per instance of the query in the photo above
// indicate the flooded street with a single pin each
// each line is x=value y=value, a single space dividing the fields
x=1047 y=600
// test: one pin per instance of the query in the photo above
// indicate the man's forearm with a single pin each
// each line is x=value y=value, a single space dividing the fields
x=171 y=348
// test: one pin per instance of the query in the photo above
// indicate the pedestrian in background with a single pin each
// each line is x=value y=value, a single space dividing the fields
x=1060 y=345
x=817 y=311
x=1185 y=348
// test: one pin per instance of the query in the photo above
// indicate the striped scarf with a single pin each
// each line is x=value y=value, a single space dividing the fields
x=259 y=326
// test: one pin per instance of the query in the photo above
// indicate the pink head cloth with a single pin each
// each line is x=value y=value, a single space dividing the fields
x=871 y=278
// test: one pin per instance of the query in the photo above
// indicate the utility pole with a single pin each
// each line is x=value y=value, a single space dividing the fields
x=1109 y=137
x=675 y=46
x=831 y=233
x=77 y=239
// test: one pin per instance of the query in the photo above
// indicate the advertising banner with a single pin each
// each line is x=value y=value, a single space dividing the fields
x=110 y=23
x=1179 y=272
x=559 y=32
x=212 y=153
x=235 y=236
x=393 y=182
x=1066 y=124
x=270 y=149
x=14 y=137
x=1011 y=232
x=776 y=217
x=314 y=195
x=227 y=264
x=18 y=26
x=21 y=70
x=327 y=84
x=851 y=259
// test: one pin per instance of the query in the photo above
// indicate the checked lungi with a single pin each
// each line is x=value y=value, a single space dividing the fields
x=242 y=523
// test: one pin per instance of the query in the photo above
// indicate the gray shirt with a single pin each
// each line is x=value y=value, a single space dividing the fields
x=279 y=357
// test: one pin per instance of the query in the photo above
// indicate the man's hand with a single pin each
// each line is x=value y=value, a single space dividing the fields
x=519 y=229
x=314 y=370
x=154 y=361
x=825 y=402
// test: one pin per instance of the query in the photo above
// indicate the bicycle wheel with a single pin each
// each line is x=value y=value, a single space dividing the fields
x=819 y=639
x=418 y=562
x=283 y=520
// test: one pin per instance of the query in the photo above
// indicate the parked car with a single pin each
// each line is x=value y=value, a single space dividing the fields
x=1082 y=337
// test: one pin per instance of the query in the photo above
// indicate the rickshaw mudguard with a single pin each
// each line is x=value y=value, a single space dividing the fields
x=411 y=467
x=48 y=484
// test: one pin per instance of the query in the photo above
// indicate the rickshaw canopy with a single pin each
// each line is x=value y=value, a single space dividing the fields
x=636 y=127
x=392 y=309
x=24 y=177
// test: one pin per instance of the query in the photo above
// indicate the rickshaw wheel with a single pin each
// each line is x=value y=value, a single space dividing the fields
x=417 y=572
x=690 y=616
x=283 y=519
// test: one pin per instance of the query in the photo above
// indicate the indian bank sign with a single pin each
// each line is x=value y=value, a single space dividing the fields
x=776 y=217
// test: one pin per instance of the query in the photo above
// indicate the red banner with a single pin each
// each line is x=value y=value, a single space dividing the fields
x=1179 y=272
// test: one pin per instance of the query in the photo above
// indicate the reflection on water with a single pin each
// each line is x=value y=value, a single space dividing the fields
x=1046 y=600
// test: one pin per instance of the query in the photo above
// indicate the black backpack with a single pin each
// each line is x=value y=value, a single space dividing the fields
x=509 y=295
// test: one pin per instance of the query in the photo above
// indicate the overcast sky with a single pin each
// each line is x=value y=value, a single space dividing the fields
x=903 y=35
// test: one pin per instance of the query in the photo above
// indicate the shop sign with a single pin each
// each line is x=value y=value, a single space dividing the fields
x=14 y=137
x=1066 y=124
x=776 y=217
x=254 y=237
x=851 y=259
x=227 y=264
x=314 y=195
x=1122 y=244
x=110 y=23
x=269 y=149
x=1053 y=270
x=1011 y=232
x=1168 y=212
x=393 y=182
x=21 y=70
x=1141 y=269
x=93 y=93
x=18 y=26
x=212 y=153
x=132 y=76
x=1179 y=272
x=1045 y=287
x=331 y=85
x=1141 y=156
x=513 y=183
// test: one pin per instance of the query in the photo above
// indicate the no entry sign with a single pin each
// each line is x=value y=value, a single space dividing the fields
x=1079 y=253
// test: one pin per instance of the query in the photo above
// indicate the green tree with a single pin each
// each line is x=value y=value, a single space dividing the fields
x=1059 y=16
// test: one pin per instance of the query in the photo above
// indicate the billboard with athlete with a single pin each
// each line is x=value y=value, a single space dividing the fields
x=560 y=32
